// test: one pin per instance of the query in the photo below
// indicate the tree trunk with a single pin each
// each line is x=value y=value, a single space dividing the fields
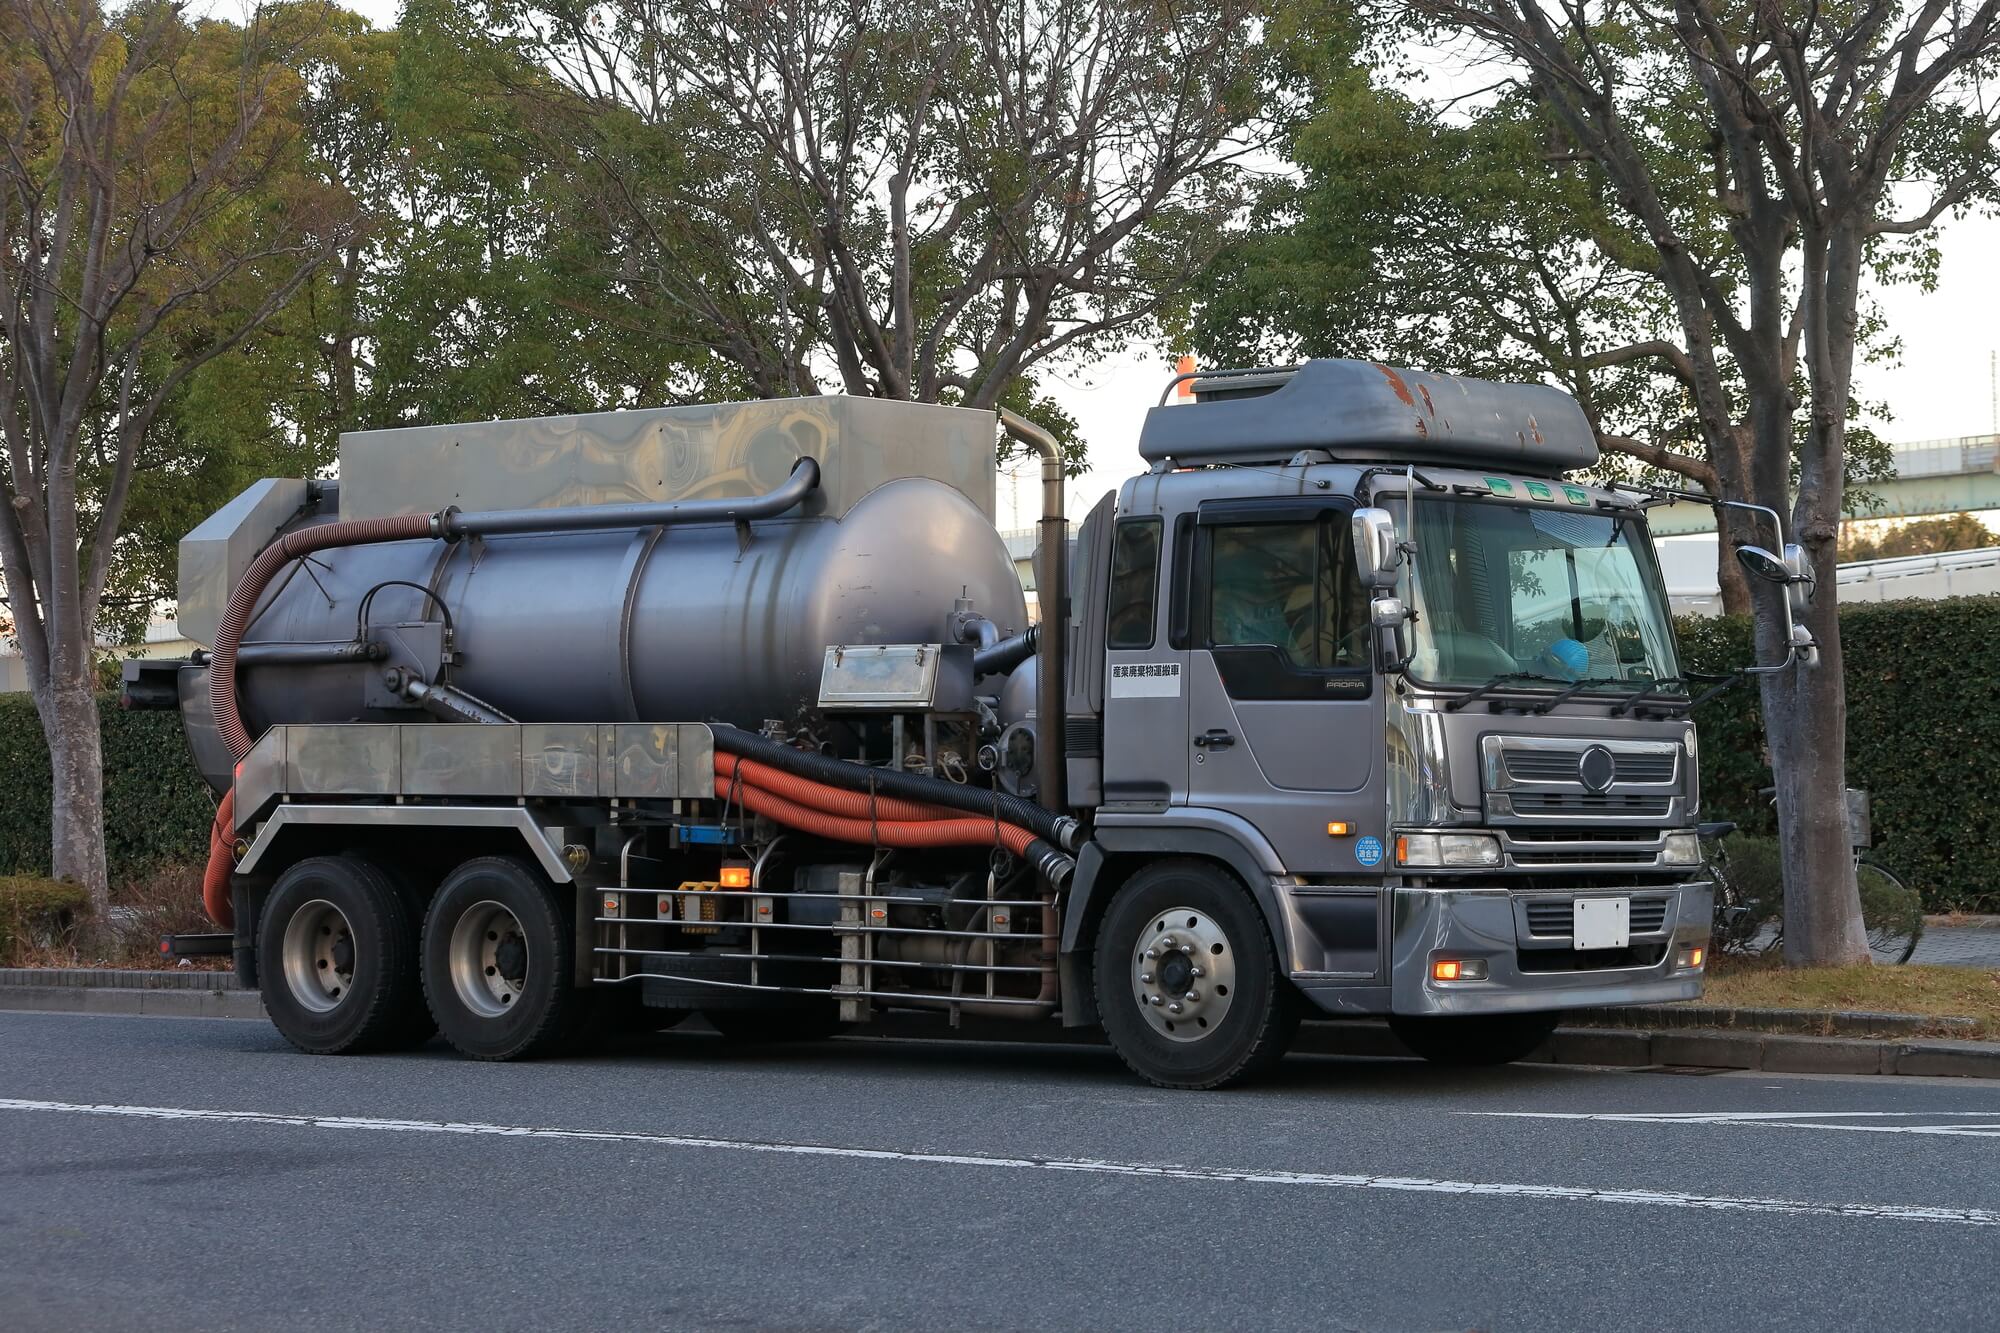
x=1805 y=711
x=76 y=813
x=1730 y=579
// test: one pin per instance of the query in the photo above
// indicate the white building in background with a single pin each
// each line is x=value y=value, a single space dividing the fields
x=163 y=639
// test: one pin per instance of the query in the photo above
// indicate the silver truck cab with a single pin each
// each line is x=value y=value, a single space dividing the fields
x=1356 y=636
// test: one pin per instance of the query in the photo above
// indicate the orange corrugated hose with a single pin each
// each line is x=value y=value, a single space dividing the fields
x=820 y=796
x=878 y=832
x=221 y=860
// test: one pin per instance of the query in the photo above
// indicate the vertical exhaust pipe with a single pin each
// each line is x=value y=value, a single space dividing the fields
x=1052 y=592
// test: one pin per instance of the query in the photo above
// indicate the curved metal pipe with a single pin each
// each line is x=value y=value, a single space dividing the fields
x=588 y=518
x=1006 y=654
x=1052 y=593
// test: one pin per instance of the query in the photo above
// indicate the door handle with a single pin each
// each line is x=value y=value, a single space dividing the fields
x=1215 y=738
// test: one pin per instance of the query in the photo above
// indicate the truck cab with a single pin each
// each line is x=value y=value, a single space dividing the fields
x=1357 y=640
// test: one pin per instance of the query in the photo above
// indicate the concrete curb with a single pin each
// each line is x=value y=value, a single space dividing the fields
x=1812 y=1022
x=117 y=978
x=1664 y=1046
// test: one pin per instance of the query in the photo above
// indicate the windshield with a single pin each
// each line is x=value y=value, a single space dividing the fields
x=1501 y=588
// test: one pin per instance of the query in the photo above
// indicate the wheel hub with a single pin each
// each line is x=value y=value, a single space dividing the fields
x=317 y=956
x=489 y=959
x=1184 y=974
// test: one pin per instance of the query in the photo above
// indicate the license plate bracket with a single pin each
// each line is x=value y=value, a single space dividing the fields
x=1602 y=923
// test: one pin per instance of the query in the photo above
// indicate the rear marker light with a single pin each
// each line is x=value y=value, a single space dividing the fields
x=735 y=877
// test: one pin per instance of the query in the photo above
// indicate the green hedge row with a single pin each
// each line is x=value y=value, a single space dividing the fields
x=1923 y=737
x=156 y=807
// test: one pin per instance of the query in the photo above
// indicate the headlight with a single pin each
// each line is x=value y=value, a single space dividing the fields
x=1447 y=850
x=1681 y=849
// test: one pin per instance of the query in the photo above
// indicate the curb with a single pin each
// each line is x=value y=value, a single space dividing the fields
x=1812 y=1022
x=1672 y=1046
x=116 y=978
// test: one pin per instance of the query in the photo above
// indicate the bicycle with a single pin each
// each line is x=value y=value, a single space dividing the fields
x=1749 y=907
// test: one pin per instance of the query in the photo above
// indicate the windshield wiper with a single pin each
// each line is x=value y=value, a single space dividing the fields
x=1584 y=684
x=1651 y=697
x=1504 y=678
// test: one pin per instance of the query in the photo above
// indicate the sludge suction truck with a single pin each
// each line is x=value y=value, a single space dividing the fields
x=1356 y=706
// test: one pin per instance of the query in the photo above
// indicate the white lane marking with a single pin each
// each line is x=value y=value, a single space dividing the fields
x=1780 y=1120
x=1977 y=1217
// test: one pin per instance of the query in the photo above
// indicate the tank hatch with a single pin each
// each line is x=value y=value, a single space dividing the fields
x=1366 y=411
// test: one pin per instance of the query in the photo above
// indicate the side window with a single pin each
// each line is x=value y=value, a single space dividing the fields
x=1135 y=576
x=1292 y=586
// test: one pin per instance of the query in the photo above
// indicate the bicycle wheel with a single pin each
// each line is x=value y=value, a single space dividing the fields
x=1891 y=910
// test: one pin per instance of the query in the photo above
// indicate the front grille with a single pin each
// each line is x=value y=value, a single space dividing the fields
x=1584 y=858
x=1590 y=960
x=1560 y=766
x=1590 y=803
x=1582 y=835
x=1555 y=918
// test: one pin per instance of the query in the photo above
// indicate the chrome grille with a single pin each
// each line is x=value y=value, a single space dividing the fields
x=1555 y=918
x=1560 y=766
x=1590 y=803
x=1598 y=857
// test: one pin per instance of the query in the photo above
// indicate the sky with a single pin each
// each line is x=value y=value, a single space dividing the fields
x=1943 y=387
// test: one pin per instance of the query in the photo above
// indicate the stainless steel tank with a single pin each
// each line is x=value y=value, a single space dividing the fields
x=698 y=622
x=660 y=624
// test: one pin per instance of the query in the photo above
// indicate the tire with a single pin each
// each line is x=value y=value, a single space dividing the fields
x=338 y=958
x=761 y=1027
x=1891 y=911
x=499 y=962
x=1473 y=1040
x=1180 y=911
x=418 y=1025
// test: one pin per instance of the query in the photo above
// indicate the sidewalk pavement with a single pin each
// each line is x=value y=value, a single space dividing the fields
x=1959 y=946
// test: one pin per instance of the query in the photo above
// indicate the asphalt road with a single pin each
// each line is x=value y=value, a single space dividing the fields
x=166 y=1173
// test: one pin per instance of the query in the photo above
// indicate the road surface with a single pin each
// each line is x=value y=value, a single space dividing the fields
x=167 y=1173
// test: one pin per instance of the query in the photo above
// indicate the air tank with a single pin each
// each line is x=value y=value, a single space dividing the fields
x=698 y=622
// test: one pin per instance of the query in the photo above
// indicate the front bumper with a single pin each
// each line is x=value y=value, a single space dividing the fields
x=1530 y=964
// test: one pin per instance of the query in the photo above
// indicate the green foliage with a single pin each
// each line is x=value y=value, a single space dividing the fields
x=31 y=906
x=1923 y=716
x=1923 y=536
x=156 y=807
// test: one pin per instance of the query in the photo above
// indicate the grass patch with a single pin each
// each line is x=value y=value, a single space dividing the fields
x=1937 y=992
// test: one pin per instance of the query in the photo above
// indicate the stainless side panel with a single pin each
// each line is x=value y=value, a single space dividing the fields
x=260 y=778
x=443 y=759
x=652 y=765
x=343 y=761
x=215 y=554
x=560 y=759
x=709 y=451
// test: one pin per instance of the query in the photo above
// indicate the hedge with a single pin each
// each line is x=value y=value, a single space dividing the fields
x=156 y=807
x=32 y=906
x=1923 y=734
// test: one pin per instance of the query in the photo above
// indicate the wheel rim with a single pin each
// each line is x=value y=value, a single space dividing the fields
x=489 y=959
x=319 y=956
x=1184 y=974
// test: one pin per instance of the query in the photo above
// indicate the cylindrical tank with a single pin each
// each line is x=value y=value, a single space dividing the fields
x=682 y=623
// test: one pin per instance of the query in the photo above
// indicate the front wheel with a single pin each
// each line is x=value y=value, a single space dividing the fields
x=1473 y=1039
x=1188 y=983
x=499 y=961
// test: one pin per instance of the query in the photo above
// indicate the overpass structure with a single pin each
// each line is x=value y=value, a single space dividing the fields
x=1952 y=476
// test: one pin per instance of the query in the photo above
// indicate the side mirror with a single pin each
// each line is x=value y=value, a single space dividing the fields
x=1760 y=563
x=1376 y=553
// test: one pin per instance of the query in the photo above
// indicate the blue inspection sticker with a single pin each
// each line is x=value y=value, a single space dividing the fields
x=1368 y=851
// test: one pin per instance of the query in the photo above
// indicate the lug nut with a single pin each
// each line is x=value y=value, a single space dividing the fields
x=1145 y=978
x=1152 y=953
x=1173 y=1008
x=1187 y=948
x=1196 y=971
x=1153 y=999
x=1192 y=996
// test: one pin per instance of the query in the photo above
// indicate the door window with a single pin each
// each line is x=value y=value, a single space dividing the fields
x=1290 y=586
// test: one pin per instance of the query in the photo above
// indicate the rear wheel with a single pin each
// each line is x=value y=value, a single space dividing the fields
x=815 y=1022
x=1474 y=1039
x=498 y=962
x=1891 y=911
x=338 y=958
x=1188 y=984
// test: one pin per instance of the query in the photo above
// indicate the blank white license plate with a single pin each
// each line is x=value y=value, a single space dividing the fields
x=1602 y=923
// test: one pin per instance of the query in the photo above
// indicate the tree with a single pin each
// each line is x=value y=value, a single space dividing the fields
x=1474 y=240
x=925 y=201
x=1761 y=160
x=152 y=220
